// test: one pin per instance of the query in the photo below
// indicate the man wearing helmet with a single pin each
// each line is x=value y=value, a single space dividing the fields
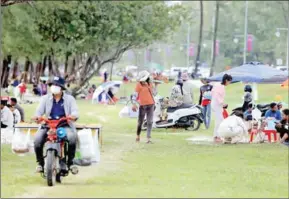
x=247 y=98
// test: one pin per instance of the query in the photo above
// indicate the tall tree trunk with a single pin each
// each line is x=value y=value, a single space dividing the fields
x=5 y=71
x=50 y=67
x=111 y=70
x=15 y=69
x=215 y=37
x=38 y=71
x=44 y=63
x=26 y=69
x=31 y=73
x=200 y=38
x=66 y=63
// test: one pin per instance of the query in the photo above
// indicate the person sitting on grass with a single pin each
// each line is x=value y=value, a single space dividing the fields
x=283 y=129
x=16 y=113
x=6 y=116
x=35 y=90
x=273 y=113
x=233 y=129
x=112 y=98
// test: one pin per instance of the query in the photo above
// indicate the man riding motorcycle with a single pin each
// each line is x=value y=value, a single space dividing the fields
x=55 y=106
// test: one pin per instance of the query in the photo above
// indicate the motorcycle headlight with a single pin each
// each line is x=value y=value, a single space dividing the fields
x=61 y=132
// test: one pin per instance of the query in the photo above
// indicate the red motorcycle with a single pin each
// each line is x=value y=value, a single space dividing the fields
x=56 y=146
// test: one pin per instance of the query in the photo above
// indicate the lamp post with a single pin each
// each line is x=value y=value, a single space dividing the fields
x=188 y=45
x=278 y=35
x=0 y=45
x=245 y=33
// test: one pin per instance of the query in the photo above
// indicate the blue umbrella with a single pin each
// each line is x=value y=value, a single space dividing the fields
x=254 y=72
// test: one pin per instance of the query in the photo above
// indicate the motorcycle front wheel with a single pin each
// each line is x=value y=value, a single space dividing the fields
x=196 y=123
x=51 y=171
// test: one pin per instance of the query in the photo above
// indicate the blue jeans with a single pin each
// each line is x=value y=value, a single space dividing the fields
x=207 y=115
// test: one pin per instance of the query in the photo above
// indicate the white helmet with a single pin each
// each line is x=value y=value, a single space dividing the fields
x=143 y=76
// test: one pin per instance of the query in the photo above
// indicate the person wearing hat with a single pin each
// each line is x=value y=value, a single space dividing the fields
x=144 y=94
x=187 y=89
x=56 y=105
x=205 y=101
x=177 y=95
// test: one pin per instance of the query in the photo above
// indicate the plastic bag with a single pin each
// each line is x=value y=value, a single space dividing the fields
x=96 y=150
x=20 y=142
x=124 y=112
x=128 y=112
x=6 y=135
x=85 y=140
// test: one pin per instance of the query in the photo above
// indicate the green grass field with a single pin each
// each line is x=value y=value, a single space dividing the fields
x=171 y=167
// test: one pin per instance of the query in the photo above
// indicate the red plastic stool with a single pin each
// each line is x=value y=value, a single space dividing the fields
x=269 y=132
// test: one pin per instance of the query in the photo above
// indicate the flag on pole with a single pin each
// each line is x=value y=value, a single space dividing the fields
x=250 y=42
x=217 y=47
x=191 y=50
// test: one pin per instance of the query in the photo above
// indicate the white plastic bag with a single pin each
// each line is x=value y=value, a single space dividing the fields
x=124 y=112
x=20 y=142
x=6 y=135
x=85 y=140
x=96 y=150
x=128 y=112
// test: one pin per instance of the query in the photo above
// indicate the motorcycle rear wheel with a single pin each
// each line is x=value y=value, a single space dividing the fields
x=196 y=123
x=51 y=168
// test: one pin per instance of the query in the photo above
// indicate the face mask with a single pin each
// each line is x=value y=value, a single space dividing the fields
x=55 y=89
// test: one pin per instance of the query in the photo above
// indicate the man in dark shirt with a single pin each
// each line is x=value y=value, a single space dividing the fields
x=205 y=101
x=282 y=128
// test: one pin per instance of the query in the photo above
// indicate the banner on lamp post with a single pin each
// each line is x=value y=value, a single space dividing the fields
x=249 y=42
x=191 y=50
x=217 y=47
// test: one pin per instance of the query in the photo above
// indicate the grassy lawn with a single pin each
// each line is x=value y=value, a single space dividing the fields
x=171 y=167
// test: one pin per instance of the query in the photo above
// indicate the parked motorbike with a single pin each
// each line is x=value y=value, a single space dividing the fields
x=261 y=107
x=187 y=116
x=56 y=151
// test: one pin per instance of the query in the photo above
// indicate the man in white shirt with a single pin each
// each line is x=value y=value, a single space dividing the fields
x=233 y=129
x=7 y=118
x=16 y=114
x=187 y=89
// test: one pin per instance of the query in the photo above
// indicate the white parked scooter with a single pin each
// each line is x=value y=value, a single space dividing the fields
x=187 y=116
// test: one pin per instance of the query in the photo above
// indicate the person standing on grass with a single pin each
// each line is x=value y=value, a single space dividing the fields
x=218 y=97
x=22 y=88
x=205 y=101
x=144 y=94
